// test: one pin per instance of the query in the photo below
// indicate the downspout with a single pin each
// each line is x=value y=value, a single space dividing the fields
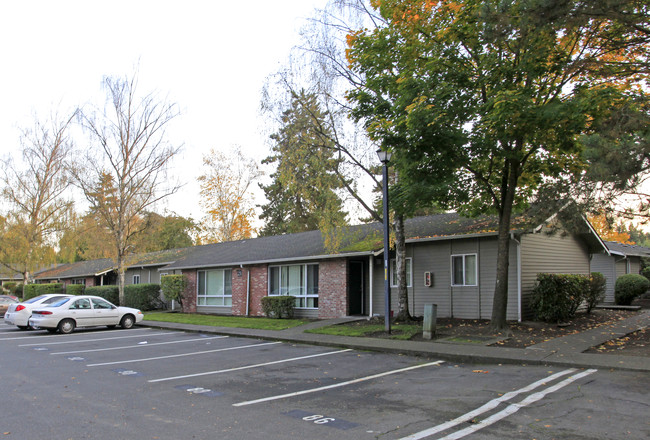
x=512 y=237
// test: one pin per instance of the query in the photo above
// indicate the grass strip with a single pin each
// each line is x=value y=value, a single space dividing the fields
x=225 y=321
x=401 y=332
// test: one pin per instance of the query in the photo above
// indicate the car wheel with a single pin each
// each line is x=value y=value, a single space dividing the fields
x=127 y=321
x=52 y=330
x=66 y=326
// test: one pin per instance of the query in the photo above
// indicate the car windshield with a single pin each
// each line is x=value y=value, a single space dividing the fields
x=59 y=303
x=33 y=300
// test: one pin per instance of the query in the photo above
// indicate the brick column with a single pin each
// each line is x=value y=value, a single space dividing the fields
x=239 y=281
x=332 y=289
x=189 y=296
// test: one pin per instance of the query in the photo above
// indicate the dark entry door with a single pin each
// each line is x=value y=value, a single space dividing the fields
x=356 y=287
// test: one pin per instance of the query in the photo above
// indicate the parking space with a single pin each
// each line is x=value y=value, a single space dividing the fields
x=169 y=384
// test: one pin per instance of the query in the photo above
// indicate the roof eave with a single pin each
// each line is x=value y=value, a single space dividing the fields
x=271 y=261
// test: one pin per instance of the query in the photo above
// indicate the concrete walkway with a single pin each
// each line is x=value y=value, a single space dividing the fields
x=566 y=351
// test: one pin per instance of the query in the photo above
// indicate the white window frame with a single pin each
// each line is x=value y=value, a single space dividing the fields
x=409 y=272
x=304 y=299
x=136 y=279
x=464 y=270
x=224 y=299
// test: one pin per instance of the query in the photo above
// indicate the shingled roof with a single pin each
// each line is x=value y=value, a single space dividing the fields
x=354 y=240
x=91 y=268
x=631 y=250
x=78 y=270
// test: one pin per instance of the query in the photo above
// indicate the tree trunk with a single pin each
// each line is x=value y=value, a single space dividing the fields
x=120 y=278
x=500 y=299
x=403 y=313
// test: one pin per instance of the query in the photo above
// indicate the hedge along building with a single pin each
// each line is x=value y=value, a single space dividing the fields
x=450 y=261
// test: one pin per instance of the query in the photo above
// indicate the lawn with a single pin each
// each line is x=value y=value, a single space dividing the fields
x=225 y=321
x=368 y=329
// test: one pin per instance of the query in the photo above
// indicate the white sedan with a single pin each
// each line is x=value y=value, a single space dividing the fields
x=83 y=311
x=19 y=314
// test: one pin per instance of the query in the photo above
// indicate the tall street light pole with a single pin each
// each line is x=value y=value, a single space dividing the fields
x=384 y=158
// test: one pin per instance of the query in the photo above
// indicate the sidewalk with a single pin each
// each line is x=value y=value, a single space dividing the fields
x=562 y=352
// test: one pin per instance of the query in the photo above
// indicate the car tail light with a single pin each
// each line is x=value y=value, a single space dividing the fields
x=20 y=307
x=42 y=312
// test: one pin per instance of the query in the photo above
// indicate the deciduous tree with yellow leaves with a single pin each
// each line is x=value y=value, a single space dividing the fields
x=226 y=196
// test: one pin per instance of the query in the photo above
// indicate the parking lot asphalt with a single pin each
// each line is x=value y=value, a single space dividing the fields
x=566 y=351
x=183 y=383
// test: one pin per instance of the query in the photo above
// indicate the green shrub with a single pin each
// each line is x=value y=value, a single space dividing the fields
x=18 y=290
x=628 y=287
x=646 y=272
x=75 y=289
x=142 y=296
x=33 y=290
x=596 y=293
x=173 y=287
x=10 y=285
x=556 y=297
x=109 y=293
x=278 y=306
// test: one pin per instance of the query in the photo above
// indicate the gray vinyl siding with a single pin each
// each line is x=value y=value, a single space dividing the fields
x=635 y=265
x=306 y=313
x=604 y=264
x=621 y=266
x=470 y=302
x=214 y=310
x=147 y=275
x=549 y=253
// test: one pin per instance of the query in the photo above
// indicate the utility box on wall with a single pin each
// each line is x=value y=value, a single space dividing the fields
x=428 y=279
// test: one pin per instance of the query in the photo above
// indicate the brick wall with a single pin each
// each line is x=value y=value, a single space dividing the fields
x=239 y=282
x=332 y=289
x=259 y=288
x=189 y=297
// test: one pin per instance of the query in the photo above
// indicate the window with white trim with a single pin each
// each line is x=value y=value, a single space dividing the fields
x=464 y=270
x=214 y=287
x=299 y=280
x=136 y=279
x=393 y=272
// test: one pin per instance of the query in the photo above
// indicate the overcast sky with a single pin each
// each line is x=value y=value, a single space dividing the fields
x=210 y=57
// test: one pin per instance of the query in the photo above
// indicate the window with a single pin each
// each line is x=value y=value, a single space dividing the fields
x=299 y=280
x=79 y=281
x=463 y=270
x=136 y=279
x=99 y=303
x=215 y=287
x=393 y=272
x=81 y=304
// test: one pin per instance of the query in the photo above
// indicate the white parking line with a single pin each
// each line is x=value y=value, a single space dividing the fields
x=47 y=335
x=249 y=366
x=138 y=346
x=76 y=341
x=342 y=384
x=183 y=355
x=494 y=403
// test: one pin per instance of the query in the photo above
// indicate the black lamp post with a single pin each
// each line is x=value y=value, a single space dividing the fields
x=384 y=158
